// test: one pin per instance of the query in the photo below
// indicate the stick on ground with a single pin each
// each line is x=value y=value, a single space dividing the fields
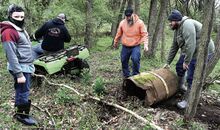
x=152 y=124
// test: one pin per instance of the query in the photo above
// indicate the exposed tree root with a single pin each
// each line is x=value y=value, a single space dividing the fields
x=151 y=123
x=106 y=123
x=212 y=80
x=48 y=114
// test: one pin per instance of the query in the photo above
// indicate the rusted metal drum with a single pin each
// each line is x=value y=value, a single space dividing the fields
x=153 y=86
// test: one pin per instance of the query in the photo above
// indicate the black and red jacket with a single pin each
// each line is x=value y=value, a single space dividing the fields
x=54 y=34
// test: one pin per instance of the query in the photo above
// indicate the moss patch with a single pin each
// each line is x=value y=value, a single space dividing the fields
x=142 y=78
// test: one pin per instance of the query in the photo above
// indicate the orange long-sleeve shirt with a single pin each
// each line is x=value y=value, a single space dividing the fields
x=132 y=35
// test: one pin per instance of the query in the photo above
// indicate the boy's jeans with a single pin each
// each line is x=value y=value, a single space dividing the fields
x=22 y=90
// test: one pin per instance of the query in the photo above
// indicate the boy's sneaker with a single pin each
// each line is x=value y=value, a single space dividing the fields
x=182 y=105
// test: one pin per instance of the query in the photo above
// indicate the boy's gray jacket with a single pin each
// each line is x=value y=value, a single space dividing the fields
x=18 y=49
x=187 y=38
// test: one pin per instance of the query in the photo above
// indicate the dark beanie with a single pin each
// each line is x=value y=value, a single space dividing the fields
x=14 y=8
x=175 y=16
x=128 y=12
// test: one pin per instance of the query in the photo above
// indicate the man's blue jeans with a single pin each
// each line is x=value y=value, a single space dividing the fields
x=37 y=50
x=190 y=72
x=22 y=90
x=135 y=54
x=181 y=72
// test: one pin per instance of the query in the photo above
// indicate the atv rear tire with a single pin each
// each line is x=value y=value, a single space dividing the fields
x=38 y=81
x=84 y=64
x=76 y=67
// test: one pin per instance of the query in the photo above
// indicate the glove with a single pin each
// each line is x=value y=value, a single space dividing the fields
x=166 y=66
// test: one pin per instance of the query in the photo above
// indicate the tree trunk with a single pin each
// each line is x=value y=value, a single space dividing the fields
x=159 y=26
x=115 y=8
x=119 y=17
x=88 y=29
x=217 y=20
x=130 y=4
x=151 y=25
x=137 y=7
x=32 y=20
x=177 y=5
x=28 y=24
x=201 y=5
x=214 y=60
x=185 y=4
x=45 y=3
x=3 y=2
x=163 y=44
x=199 y=75
x=169 y=7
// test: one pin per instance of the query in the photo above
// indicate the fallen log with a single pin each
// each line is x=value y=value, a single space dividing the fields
x=151 y=123
x=153 y=86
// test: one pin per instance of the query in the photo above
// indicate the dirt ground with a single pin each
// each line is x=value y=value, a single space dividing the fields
x=208 y=110
x=165 y=113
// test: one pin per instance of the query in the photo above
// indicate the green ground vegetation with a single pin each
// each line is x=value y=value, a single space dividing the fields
x=70 y=111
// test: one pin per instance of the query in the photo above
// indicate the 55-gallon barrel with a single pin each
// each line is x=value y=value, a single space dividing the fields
x=153 y=86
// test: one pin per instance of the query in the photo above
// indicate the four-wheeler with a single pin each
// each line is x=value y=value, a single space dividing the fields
x=68 y=61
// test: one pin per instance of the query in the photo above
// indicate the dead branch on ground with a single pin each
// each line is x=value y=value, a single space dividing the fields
x=152 y=124
x=48 y=114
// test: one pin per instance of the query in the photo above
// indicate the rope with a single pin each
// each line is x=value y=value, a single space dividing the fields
x=164 y=83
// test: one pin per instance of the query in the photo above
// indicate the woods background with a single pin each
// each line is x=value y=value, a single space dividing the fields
x=94 y=23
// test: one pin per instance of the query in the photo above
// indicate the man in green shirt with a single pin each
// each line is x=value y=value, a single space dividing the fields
x=186 y=38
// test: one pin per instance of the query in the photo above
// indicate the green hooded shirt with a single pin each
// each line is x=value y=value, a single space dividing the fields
x=186 y=38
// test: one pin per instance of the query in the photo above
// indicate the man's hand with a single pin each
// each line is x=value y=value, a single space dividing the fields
x=145 y=47
x=166 y=66
x=185 y=66
x=115 y=45
x=21 y=79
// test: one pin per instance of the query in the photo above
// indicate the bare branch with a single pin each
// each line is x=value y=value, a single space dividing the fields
x=151 y=123
x=46 y=111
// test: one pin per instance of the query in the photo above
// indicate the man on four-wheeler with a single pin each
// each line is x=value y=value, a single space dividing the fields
x=54 y=34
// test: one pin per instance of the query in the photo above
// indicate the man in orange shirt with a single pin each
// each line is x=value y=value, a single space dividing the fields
x=132 y=33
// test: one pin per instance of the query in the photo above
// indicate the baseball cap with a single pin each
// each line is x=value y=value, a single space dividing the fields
x=128 y=12
x=62 y=16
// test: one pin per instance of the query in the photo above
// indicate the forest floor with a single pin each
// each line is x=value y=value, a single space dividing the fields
x=168 y=116
x=60 y=108
x=207 y=113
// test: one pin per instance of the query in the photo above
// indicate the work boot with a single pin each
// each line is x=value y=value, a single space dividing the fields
x=22 y=114
x=181 y=82
x=184 y=103
x=183 y=88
